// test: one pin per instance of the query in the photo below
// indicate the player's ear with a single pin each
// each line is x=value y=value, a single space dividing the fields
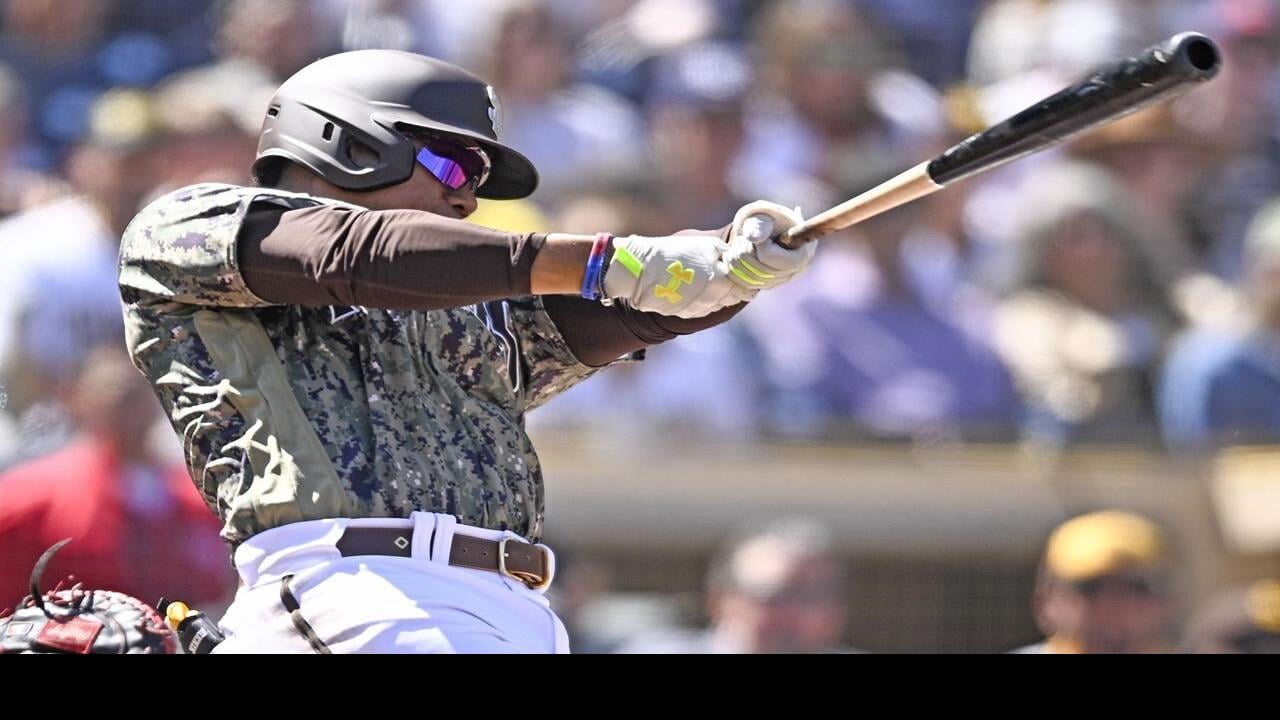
x=362 y=155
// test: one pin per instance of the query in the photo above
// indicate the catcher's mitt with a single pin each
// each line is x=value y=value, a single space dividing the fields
x=75 y=620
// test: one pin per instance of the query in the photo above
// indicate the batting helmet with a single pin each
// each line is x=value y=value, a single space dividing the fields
x=343 y=116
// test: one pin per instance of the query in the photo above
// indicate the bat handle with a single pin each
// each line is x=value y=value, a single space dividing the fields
x=906 y=187
x=796 y=237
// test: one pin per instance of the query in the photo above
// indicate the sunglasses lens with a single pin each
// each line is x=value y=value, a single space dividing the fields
x=447 y=171
x=1127 y=585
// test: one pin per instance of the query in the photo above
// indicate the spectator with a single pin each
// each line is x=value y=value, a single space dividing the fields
x=1235 y=120
x=774 y=589
x=54 y=46
x=1062 y=38
x=935 y=35
x=833 y=102
x=696 y=105
x=138 y=525
x=1240 y=621
x=1221 y=386
x=1086 y=323
x=1103 y=587
x=573 y=132
x=1155 y=157
x=259 y=43
x=201 y=138
x=21 y=186
x=882 y=341
x=58 y=294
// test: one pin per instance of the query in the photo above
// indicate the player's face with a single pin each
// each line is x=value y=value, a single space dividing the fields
x=423 y=192
x=804 y=613
x=444 y=181
x=1114 y=614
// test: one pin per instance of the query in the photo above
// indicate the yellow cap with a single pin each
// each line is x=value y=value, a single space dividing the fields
x=1104 y=543
x=176 y=613
x=122 y=119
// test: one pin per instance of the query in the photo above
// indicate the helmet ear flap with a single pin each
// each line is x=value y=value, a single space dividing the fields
x=342 y=152
x=360 y=154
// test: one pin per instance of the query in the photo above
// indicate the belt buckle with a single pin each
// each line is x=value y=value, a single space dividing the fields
x=531 y=581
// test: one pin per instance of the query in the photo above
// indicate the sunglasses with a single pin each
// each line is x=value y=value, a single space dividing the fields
x=455 y=166
x=1133 y=585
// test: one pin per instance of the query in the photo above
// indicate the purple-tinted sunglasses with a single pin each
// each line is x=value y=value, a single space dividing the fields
x=455 y=166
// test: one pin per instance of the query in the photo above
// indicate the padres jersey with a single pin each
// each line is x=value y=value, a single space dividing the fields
x=289 y=413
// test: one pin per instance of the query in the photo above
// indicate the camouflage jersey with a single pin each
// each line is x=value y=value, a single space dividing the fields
x=290 y=413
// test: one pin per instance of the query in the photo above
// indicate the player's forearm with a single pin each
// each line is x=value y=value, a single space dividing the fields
x=560 y=264
x=400 y=260
x=598 y=335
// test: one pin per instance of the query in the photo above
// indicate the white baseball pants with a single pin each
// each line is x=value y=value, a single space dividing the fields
x=299 y=595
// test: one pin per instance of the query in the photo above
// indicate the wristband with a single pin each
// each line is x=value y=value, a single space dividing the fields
x=592 y=279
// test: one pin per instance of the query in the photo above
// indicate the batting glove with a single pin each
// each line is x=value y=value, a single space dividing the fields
x=683 y=275
x=757 y=262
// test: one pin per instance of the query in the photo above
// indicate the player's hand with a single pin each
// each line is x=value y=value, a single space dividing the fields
x=755 y=260
x=684 y=275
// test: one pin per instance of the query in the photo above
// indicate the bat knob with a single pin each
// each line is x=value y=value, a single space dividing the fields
x=758 y=228
x=764 y=221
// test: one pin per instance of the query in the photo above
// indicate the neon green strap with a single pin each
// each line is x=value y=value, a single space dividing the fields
x=755 y=270
x=629 y=261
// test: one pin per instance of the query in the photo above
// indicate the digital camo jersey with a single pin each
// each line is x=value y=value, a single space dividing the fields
x=289 y=413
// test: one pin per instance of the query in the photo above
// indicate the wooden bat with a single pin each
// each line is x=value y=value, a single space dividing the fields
x=1159 y=73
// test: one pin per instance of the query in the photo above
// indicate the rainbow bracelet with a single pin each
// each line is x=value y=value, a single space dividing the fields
x=593 y=278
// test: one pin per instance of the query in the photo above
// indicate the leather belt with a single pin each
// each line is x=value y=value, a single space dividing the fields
x=516 y=559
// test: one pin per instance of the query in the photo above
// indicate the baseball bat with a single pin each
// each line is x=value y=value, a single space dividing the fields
x=1109 y=93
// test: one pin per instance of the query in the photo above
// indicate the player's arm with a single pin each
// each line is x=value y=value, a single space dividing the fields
x=411 y=260
x=398 y=259
x=403 y=259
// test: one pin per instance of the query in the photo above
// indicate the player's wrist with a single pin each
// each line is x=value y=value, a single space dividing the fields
x=561 y=264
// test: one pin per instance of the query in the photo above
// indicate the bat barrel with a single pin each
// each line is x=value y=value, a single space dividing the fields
x=1107 y=94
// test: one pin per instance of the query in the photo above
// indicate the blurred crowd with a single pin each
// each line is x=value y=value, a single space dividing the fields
x=1123 y=289
x=1107 y=583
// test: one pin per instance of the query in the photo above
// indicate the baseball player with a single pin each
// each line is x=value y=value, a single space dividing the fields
x=349 y=365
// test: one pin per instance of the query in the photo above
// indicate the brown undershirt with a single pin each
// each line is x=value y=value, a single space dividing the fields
x=411 y=260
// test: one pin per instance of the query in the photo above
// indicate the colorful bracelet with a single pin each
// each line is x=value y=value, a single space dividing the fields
x=593 y=278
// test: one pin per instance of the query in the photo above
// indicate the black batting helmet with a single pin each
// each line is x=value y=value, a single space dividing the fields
x=343 y=117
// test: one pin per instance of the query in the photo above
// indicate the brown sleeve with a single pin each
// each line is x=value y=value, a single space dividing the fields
x=392 y=259
x=410 y=260
x=598 y=335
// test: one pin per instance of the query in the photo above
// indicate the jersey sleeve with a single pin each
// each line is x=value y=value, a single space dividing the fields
x=182 y=247
x=549 y=366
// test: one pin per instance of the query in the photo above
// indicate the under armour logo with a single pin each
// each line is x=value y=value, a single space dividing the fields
x=679 y=276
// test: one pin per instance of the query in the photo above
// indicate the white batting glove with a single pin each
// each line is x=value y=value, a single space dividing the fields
x=682 y=275
x=755 y=261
